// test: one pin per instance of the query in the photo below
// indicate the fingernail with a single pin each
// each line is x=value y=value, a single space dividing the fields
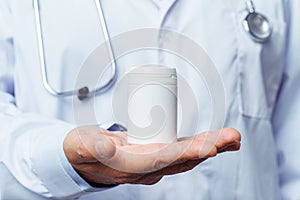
x=105 y=149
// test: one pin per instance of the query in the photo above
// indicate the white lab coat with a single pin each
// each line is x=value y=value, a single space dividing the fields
x=261 y=84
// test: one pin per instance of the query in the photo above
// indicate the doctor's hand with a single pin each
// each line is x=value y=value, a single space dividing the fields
x=105 y=157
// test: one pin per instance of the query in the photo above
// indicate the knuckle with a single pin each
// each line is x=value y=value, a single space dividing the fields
x=82 y=151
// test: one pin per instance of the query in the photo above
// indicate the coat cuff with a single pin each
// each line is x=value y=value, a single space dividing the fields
x=50 y=164
x=47 y=165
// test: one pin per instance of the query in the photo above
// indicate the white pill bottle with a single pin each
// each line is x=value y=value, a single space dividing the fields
x=152 y=105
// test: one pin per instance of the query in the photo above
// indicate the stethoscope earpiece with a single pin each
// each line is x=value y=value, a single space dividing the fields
x=257 y=25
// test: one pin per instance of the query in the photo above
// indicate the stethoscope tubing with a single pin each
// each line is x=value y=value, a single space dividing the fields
x=84 y=92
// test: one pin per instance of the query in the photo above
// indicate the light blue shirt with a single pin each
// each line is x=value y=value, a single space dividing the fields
x=261 y=83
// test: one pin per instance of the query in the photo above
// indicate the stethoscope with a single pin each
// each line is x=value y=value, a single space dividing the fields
x=81 y=93
x=256 y=24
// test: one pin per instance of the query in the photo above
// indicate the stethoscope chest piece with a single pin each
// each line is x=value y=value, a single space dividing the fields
x=256 y=24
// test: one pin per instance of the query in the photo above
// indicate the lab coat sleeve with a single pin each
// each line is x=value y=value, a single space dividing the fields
x=286 y=120
x=32 y=162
